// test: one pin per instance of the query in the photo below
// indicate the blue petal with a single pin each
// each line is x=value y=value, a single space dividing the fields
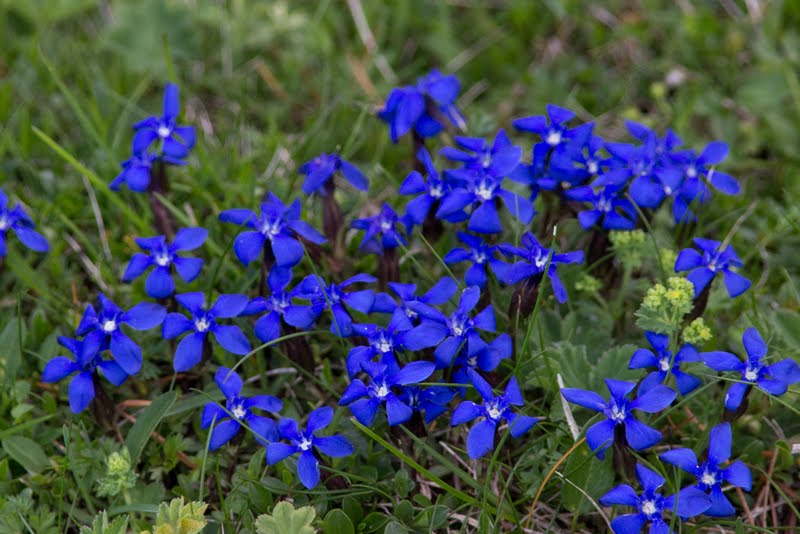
x=194 y=302
x=427 y=334
x=354 y=176
x=735 y=395
x=138 y=265
x=188 y=268
x=690 y=502
x=308 y=469
x=232 y=339
x=268 y=327
x=113 y=372
x=287 y=250
x=587 y=399
x=464 y=413
x=413 y=373
x=722 y=361
x=725 y=183
x=639 y=435
x=268 y=403
x=58 y=368
x=278 y=451
x=319 y=419
x=229 y=382
x=364 y=410
x=212 y=412
x=171 y=108
x=127 y=353
x=521 y=425
x=81 y=392
x=654 y=400
x=754 y=344
x=739 y=475
x=248 y=246
x=623 y=495
x=239 y=217
x=159 y=283
x=397 y=412
x=480 y=439
x=229 y=305
x=720 y=505
x=189 y=238
x=263 y=429
x=719 y=444
x=222 y=433
x=628 y=524
x=600 y=436
x=688 y=259
x=735 y=283
x=335 y=446
x=174 y=325
x=686 y=459
x=144 y=316
x=189 y=352
x=485 y=219
x=700 y=279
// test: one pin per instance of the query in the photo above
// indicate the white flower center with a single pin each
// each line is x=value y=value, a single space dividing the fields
x=751 y=374
x=484 y=191
x=648 y=507
x=480 y=257
x=164 y=131
x=494 y=411
x=162 y=260
x=436 y=192
x=382 y=391
x=618 y=414
x=473 y=361
x=305 y=444
x=202 y=324
x=3 y=223
x=709 y=479
x=712 y=267
x=553 y=137
x=238 y=411
x=411 y=314
x=271 y=229
x=691 y=172
x=592 y=167
x=457 y=329
x=109 y=326
x=486 y=161
x=603 y=204
x=384 y=345
x=541 y=260
x=664 y=364
x=386 y=226
x=667 y=190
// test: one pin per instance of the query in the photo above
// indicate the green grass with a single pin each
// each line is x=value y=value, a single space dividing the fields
x=268 y=86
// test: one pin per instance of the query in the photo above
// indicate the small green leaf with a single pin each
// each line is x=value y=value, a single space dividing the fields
x=100 y=525
x=286 y=520
x=395 y=528
x=337 y=522
x=146 y=423
x=27 y=453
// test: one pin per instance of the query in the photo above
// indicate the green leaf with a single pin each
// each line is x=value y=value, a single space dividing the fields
x=585 y=471
x=395 y=528
x=337 y=522
x=100 y=525
x=613 y=363
x=573 y=364
x=353 y=509
x=178 y=517
x=146 y=423
x=27 y=453
x=286 y=520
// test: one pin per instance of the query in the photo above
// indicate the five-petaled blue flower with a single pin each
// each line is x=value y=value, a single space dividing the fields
x=650 y=505
x=480 y=439
x=383 y=377
x=105 y=327
x=279 y=306
x=86 y=358
x=319 y=171
x=432 y=400
x=497 y=160
x=713 y=260
x=422 y=107
x=204 y=320
x=774 y=379
x=480 y=254
x=438 y=294
x=429 y=191
x=136 y=171
x=381 y=230
x=609 y=208
x=665 y=364
x=535 y=257
x=278 y=224
x=163 y=256
x=711 y=473
x=304 y=441
x=618 y=411
x=16 y=219
x=176 y=140
x=335 y=297
x=238 y=409
x=552 y=129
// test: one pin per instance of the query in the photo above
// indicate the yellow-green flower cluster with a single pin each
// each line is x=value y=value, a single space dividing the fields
x=667 y=258
x=588 y=284
x=697 y=332
x=628 y=246
x=664 y=306
x=119 y=475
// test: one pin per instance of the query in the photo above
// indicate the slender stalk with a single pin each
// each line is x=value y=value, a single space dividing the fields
x=163 y=219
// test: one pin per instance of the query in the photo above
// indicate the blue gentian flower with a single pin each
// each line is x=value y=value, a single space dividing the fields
x=650 y=505
x=319 y=171
x=304 y=441
x=494 y=409
x=383 y=377
x=432 y=400
x=711 y=473
x=163 y=256
x=773 y=379
x=698 y=167
x=239 y=409
x=204 y=320
x=429 y=191
x=422 y=107
x=176 y=140
x=441 y=292
x=136 y=171
x=705 y=266
x=609 y=208
x=381 y=230
x=481 y=255
x=278 y=224
x=664 y=363
x=574 y=162
x=552 y=129
x=534 y=257
x=629 y=163
x=280 y=307
x=664 y=146
x=16 y=219
x=497 y=160
x=105 y=326
x=618 y=411
x=537 y=174
x=458 y=328
x=86 y=358
x=481 y=356
x=336 y=298
x=400 y=334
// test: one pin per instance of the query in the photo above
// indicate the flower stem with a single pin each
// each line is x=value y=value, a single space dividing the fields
x=163 y=219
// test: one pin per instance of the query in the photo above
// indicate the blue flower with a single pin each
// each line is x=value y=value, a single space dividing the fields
x=618 y=411
x=334 y=297
x=381 y=230
x=535 y=259
x=400 y=334
x=176 y=141
x=429 y=191
x=480 y=255
x=383 y=377
x=493 y=409
x=16 y=219
x=552 y=129
x=574 y=162
x=105 y=327
x=204 y=320
x=773 y=379
x=305 y=441
x=422 y=107
x=163 y=256
x=278 y=224
x=497 y=160
x=711 y=473
x=481 y=355
x=319 y=171
x=698 y=167
x=713 y=260
x=665 y=364
x=432 y=400
x=609 y=208
x=136 y=171
x=238 y=409
x=537 y=174
x=280 y=307
x=86 y=358
x=458 y=328
x=650 y=505
x=441 y=292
